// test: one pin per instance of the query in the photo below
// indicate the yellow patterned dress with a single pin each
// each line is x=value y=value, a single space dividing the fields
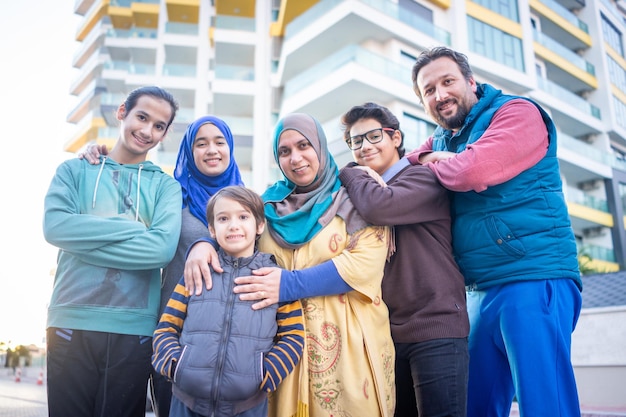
x=348 y=369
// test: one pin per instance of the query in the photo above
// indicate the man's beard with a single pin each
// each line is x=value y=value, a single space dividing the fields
x=455 y=121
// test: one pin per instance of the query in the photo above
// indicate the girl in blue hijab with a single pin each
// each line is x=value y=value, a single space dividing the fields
x=197 y=186
x=205 y=164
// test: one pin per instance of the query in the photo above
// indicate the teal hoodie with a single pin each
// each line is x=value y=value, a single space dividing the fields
x=115 y=226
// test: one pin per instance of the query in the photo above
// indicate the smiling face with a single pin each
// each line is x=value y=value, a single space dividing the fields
x=234 y=227
x=378 y=156
x=447 y=96
x=211 y=152
x=297 y=158
x=142 y=128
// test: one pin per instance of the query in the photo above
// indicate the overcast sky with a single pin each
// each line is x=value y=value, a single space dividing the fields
x=36 y=49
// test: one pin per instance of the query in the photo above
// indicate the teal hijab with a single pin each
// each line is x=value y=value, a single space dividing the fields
x=296 y=214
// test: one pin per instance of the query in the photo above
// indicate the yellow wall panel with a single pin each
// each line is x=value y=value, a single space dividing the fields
x=145 y=15
x=183 y=11
x=444 y=4
x=237 y=8
x=89 y=133
x=121 y=17
x=493 y=19
x=588 y=213
x=289 y=10
x=565 y=65
x=90 y=21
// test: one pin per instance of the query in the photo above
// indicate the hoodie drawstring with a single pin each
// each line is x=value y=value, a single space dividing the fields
x=95 y=190
x=138 y=192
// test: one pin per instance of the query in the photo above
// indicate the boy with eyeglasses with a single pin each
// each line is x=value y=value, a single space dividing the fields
x=422 y=285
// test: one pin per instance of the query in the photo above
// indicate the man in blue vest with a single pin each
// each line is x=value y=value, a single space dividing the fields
x=512 y=237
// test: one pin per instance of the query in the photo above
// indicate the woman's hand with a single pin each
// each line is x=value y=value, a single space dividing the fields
x=92 y=153
x=372 y=174
x=200 y=255
x=264 y=285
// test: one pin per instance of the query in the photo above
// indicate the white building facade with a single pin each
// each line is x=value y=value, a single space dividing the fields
x=249 y=62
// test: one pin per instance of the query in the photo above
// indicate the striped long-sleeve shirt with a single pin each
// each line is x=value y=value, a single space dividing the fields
x=278 y=362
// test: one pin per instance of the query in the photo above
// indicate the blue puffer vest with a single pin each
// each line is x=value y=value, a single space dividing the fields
x=224 y=341
x=515 y=231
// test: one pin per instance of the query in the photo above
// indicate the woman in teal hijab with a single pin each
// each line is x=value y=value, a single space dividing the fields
x=333 y=262
x=295 y=212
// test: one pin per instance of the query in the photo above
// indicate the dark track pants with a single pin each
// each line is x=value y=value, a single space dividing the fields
x=94 y=374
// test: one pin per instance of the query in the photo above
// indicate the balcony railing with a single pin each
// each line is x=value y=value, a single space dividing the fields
x=131 y=68
x=351 y=53
x=568 y=97
x=127 y=3
x=234 y=72
x=578 y=196
x=566 y=14
x=565 y=53
x=178 y=28
x=598 y=252
x=585 y=149
x=146 y=33
x=235 y=23
x=389 y=8
x=179 y=70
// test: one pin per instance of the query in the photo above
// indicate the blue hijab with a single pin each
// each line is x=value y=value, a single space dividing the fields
x=198 y=188
x=295 y=214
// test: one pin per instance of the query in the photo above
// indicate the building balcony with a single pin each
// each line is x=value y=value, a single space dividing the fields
x=234 y=45
x=573 y=114
x=598 y=253
x=331 y=25
x=351 y=75
x=572 y=4
x=587 y=211
x=560 y=24
x=92 y=43
x=564 y=66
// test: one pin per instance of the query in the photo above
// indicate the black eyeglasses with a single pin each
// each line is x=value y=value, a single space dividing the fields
x=373 y=136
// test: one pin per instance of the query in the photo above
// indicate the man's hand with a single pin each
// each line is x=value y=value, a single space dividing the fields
x=199 y=257
x=435 y=156
x=264 y=285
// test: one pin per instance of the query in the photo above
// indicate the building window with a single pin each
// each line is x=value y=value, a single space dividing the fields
x=417 y=9
x=617 y=75
x=620 y=112
x=612 y=35
x=622 y=195
x=540 y=69
x=416 y=131
x=506 y=8
x=494 y=44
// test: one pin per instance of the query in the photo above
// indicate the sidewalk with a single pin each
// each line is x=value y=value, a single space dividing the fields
x=28 y=397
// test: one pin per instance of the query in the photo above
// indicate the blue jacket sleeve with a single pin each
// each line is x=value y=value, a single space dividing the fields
x=212 y=241
x=322 y=279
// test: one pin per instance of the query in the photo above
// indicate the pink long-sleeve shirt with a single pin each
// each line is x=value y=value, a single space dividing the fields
x=516 y=139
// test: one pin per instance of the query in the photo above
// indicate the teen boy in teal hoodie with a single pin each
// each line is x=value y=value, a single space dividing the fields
x=116 y=225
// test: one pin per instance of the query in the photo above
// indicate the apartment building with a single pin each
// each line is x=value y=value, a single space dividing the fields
x=249 y=62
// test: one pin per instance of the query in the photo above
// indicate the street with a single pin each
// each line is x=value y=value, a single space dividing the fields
x=22 y=399
x=26 y=398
